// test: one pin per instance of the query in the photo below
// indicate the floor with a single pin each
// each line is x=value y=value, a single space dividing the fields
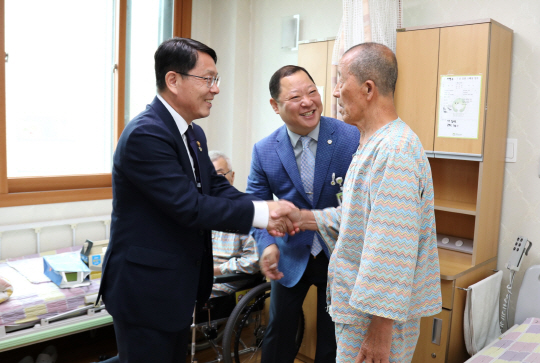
x=85 y=347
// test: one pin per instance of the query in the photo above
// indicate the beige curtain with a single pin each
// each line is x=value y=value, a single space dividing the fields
x=364 y=21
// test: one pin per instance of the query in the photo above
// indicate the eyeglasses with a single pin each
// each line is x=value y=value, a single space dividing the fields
x=210 y=81
x=225 y=173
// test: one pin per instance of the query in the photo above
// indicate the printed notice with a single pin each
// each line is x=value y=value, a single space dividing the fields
x=459 y=106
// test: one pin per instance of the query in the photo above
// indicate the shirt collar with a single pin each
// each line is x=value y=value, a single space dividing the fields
x=314 y=134
x=180 y=122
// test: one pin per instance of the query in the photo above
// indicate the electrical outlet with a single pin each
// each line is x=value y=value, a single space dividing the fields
x=518 y=249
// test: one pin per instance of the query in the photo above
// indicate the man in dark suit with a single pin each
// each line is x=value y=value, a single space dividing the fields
x=304 y=161
x=167 y=198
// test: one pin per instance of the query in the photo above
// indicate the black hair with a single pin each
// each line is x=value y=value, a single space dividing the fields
x=285 y=71
x=178 y=55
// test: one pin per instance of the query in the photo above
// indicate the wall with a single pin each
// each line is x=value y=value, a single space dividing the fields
x=521 y=196
x=247 y=38
x=20 y=243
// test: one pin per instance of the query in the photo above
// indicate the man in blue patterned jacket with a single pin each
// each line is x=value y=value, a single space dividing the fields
x=301 y=162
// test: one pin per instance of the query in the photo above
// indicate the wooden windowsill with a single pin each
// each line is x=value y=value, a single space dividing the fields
x=54 y=196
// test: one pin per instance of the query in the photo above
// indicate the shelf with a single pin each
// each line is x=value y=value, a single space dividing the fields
x=455 y=243
x=455 y=207
x=453 y=263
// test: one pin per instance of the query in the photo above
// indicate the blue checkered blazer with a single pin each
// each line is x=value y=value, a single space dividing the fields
x=274 y=172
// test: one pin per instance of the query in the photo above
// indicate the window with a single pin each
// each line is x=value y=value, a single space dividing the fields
x=71 y=79
x=59 y=79
x=144 y=34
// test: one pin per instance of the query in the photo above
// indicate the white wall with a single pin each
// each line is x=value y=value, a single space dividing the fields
x=20 y=243
x=521 y=196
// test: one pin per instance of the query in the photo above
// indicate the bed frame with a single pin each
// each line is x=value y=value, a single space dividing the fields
x=75 y=321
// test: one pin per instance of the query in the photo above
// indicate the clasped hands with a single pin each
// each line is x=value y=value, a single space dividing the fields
x=284 y=218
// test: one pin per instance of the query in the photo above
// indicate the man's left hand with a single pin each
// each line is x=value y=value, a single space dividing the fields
x=377 y=342
x=269 y=262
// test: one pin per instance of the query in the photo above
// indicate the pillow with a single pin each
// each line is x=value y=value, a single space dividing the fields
x=5 y=289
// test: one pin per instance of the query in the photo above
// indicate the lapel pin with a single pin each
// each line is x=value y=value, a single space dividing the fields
x=329 y=142
x=199 y=145
x=333 y=182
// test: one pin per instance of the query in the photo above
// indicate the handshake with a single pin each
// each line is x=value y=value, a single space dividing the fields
x=284 y=218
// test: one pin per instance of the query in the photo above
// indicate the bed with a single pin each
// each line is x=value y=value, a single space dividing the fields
x=39 y=310
x=521 y=343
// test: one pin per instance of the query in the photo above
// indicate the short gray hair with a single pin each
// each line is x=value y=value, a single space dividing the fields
x=375 y=62
x=215 y=155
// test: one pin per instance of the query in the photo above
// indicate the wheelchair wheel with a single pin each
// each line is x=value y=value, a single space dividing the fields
x=246 y=326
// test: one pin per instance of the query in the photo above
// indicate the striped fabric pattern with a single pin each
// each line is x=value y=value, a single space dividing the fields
x=385 y=260
x=349 y=339
x=233 y=253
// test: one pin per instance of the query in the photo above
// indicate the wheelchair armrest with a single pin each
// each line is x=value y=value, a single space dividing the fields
x=239 y=276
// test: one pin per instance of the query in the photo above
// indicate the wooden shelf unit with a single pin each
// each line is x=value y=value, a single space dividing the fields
x=467 y=173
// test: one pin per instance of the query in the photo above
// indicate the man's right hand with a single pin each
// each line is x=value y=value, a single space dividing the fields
x=269 y=262
x=279 y=224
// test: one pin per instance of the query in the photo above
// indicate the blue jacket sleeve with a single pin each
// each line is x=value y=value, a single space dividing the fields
x=259 y=186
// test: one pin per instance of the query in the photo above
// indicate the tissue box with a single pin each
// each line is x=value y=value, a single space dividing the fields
x=66 y=270
x=93 y=252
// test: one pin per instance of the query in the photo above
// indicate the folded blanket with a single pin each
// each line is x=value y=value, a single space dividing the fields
x=5 y=289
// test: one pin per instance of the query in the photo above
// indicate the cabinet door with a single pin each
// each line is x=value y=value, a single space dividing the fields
x=433 y=330
x=328 y=98
x=309 y=342
x=313 y=57
x=464 y=51
x=417 y=54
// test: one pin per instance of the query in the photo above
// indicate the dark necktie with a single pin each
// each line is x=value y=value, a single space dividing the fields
x=193 y=150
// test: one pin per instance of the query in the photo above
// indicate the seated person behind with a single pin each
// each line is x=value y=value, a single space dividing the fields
x=232 y=252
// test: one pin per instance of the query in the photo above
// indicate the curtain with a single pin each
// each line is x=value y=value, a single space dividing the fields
x=364 y=21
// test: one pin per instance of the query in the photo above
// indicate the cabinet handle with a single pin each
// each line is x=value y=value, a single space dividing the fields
x=436 y=331
x=433 y=355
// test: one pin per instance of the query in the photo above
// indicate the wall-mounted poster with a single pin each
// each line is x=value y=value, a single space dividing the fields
x=459 y=106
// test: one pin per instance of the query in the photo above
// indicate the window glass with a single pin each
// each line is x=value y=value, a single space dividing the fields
x=59 y=86
x=149 y=24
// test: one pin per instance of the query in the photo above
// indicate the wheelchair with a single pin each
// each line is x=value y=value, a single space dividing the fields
x=233 y=326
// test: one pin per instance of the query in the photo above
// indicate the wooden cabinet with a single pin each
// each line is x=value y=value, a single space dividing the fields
x=456 y=275
x=467 y=172
x=316 y=58
x=435 y=329
x=426 y=54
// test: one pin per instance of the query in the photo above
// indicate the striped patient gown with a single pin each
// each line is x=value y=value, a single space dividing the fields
x=233 y=253
x=383 y=237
